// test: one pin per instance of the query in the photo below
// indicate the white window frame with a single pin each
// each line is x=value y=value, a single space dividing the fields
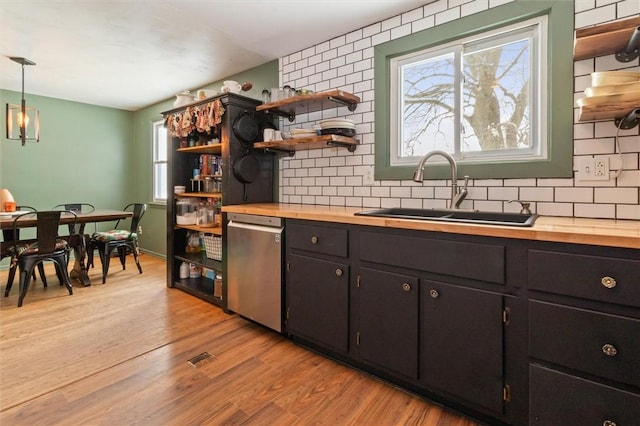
x=535 y=30
x=159 y=185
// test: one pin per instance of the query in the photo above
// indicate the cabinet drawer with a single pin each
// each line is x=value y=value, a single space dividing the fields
x=606 y=279
x=596 y=343
x=478 y=261
x=560 y=399
x=318 y=239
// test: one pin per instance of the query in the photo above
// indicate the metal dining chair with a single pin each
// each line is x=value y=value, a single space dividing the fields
x=123 y=241
x=7 y=235
x=46 y=246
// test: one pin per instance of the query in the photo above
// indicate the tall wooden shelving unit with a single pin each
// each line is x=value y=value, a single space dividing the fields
x=181 y=162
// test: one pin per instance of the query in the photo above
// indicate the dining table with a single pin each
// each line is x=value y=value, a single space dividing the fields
x=78 y=240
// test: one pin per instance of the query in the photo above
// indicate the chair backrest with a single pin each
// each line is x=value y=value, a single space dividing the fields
x=138 y=210
x=76 y=207
x=47 y=223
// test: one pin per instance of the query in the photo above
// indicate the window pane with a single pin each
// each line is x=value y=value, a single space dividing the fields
x=160 y=181
x=428 y=106
x=496 y=98
x=160 y=149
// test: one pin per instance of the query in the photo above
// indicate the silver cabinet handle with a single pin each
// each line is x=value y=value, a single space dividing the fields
x=434 y=294
x=339 y=272
x=314 y=240
x=608 y=282
x=609 y=350
x=609 y=423
x=406 y=287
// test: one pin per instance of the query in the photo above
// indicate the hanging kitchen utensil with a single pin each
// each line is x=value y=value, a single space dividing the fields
x=246 y=129
x=246 y=168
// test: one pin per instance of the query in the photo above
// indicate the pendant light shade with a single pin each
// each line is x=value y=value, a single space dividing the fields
x=23 y=123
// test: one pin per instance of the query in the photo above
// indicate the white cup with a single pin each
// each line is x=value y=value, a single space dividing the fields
x=268 y=135
x=278 y=135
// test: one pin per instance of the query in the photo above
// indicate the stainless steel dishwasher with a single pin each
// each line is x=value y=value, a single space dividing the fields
x=254 y=273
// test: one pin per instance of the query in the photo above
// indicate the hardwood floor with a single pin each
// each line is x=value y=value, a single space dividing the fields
x=117 y=354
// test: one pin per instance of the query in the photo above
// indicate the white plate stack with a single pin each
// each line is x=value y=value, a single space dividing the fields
x=338 y=126
x=610 y=87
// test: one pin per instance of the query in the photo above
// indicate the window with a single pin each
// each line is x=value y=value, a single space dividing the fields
x=479 y=88
x=159 y=162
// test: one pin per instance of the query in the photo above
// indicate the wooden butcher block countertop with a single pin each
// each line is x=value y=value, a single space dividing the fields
x=601 y=232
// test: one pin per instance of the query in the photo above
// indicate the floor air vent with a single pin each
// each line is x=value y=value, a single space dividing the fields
x=204 y=356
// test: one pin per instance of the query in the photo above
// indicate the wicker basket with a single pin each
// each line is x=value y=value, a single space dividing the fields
x=213 y=246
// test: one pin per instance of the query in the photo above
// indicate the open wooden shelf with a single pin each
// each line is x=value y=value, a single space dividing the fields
x=215 y=230
x=203 y=149
x=200 y=195
x=324 y=141
x=310 y=103
x=607 y=111
x=603 y=39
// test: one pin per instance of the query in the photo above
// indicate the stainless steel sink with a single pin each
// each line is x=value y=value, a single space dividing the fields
x=466 y=216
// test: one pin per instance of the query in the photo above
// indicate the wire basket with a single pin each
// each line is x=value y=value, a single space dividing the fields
x=213 y=246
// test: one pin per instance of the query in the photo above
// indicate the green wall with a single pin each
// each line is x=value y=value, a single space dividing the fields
x=99 y=155
x=84 y=155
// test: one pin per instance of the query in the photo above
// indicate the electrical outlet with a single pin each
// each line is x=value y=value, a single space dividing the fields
x=368 y=178
x=593 y=168
x=601 y=168
x=139 y=229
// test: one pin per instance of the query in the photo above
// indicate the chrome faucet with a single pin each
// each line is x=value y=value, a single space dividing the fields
x=457 y=195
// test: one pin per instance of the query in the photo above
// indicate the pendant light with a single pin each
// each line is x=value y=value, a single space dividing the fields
x=23 y=123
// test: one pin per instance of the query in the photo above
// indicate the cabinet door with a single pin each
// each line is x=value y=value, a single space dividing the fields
x=558 y=399
x=317 y=293
x=388 y=321
x=461 y=346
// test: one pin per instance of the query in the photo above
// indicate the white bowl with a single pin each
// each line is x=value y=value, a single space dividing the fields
x=231 y=89
x=606 y=78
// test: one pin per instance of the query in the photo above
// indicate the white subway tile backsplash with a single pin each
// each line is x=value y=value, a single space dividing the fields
x=503 y=193
x=474 y=7
x=412 y=15
x=490 y=206
x=433 y=8
x=391 y=23
x=595 y=16
x=593 y=146
x=380 y=38
x=583 y=131
x=583 y=5
x=616 y=195
x=478 y=193
x=574 y=195
x=520 y=182
x=447 y=16
x=334 y=176
x=626 y=211
x=401 y=192
x=536 y=194
x=628 y=8
x=629 y=178
x=554 y=209
x=380 y=191
x=583 y=67
x=400 y=31
x=604 y=211
x=423 y=24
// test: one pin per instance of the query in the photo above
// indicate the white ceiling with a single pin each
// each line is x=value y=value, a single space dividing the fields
x=128 y=54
